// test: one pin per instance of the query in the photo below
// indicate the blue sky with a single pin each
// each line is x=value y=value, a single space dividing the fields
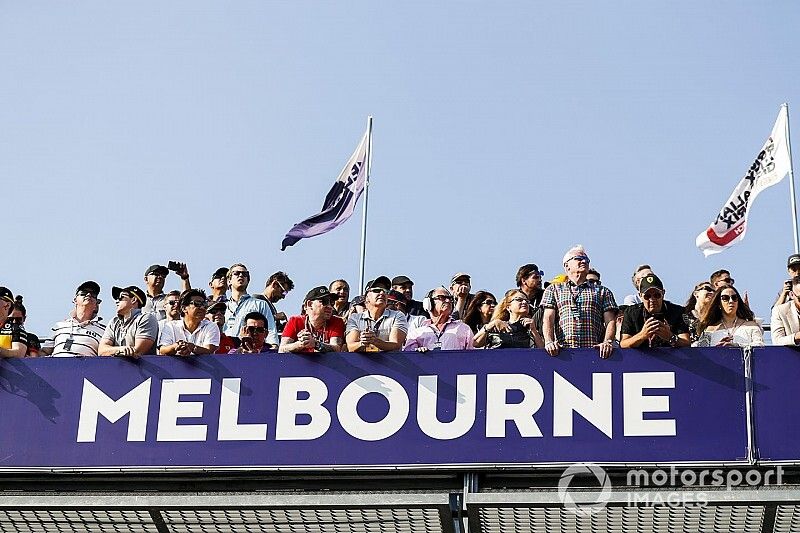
x=504 y=133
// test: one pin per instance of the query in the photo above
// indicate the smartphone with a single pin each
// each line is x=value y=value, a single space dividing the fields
x=174 y=266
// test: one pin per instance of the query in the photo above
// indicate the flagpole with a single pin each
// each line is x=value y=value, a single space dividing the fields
x=364 y=213
x=791 y=183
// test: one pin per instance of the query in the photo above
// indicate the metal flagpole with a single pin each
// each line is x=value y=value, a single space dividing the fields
x=791 y=183
x=368 y=162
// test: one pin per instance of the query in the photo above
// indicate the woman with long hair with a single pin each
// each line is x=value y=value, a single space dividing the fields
x=697 y=303
x=511 y=325
x=728 y=321
x=480 y=309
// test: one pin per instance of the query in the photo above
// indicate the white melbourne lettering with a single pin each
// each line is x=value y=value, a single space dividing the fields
x=303 y=410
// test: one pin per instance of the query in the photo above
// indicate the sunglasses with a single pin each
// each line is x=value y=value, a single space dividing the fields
x=171 y=302
x=729 y=281
x=706 y=288
x=326 y=301
x=123 y=297
x=377 y=290
x=252 y=330
x=580 y=258
x=87 y=293
x=16 y=320
x=655 y=295
x=243 y=273
x=490 y=303
x=520 y=299
x=443 y=298
x=199 y=303
x=728 y=297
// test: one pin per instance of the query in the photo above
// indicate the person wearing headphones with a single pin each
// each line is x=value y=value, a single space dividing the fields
x=79 y=335
x=441 y=331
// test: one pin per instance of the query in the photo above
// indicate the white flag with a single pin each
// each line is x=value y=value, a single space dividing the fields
x=769 y=167
x=341 y=200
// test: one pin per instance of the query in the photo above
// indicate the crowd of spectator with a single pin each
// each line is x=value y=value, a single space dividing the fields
x=573 y=310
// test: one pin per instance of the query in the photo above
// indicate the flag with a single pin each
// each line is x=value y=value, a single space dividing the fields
x=769 y=167
x=341 y=200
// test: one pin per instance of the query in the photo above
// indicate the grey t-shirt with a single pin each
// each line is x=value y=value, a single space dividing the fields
x=138 y=326
x=382 y=327
x=155 y=305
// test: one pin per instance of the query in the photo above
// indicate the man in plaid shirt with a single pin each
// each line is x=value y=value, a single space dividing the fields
x=578 y=313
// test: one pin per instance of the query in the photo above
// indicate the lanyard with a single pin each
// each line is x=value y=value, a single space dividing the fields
x=437 y=333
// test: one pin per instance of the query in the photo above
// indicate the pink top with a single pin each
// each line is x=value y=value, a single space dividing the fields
x=455 y=336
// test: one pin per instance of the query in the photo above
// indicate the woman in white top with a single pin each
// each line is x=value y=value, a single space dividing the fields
x=728 y=321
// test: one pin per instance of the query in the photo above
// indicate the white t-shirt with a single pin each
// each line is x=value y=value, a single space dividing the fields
x=206 y=334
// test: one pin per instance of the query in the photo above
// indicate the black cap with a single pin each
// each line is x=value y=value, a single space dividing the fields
x=380 y=281
x=221 y=272
x=793 y=260
x=133 y=290
x=317 y=293
x=648 y=282
x=358 y=300
x=212 y=308
x=399 y=280
x=153 y=269
x=88 y=286
x=6 y=295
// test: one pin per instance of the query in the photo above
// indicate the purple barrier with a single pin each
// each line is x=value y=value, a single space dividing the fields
x=776 y=411
x=477 y=408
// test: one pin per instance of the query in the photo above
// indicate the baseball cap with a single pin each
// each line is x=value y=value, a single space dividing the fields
x=648 y=282
x=221 y=272
x=459 y=275
x=317 y=293
x=135 y=291
x=6 y=295
x=380 y=281
x=88 y=286
x=154 y=269
x=399 y=280
x=793 y=260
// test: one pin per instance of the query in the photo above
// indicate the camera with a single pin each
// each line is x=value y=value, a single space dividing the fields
x=174 y=266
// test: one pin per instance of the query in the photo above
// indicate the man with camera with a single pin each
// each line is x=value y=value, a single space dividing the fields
x=655 y=322
x=377 y=328
x=317 y=330
x=253 y=334
x=793 y=269
x=154 y=278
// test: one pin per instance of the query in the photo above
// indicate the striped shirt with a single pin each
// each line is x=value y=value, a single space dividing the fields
x=580 y=310
x=72 y=338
